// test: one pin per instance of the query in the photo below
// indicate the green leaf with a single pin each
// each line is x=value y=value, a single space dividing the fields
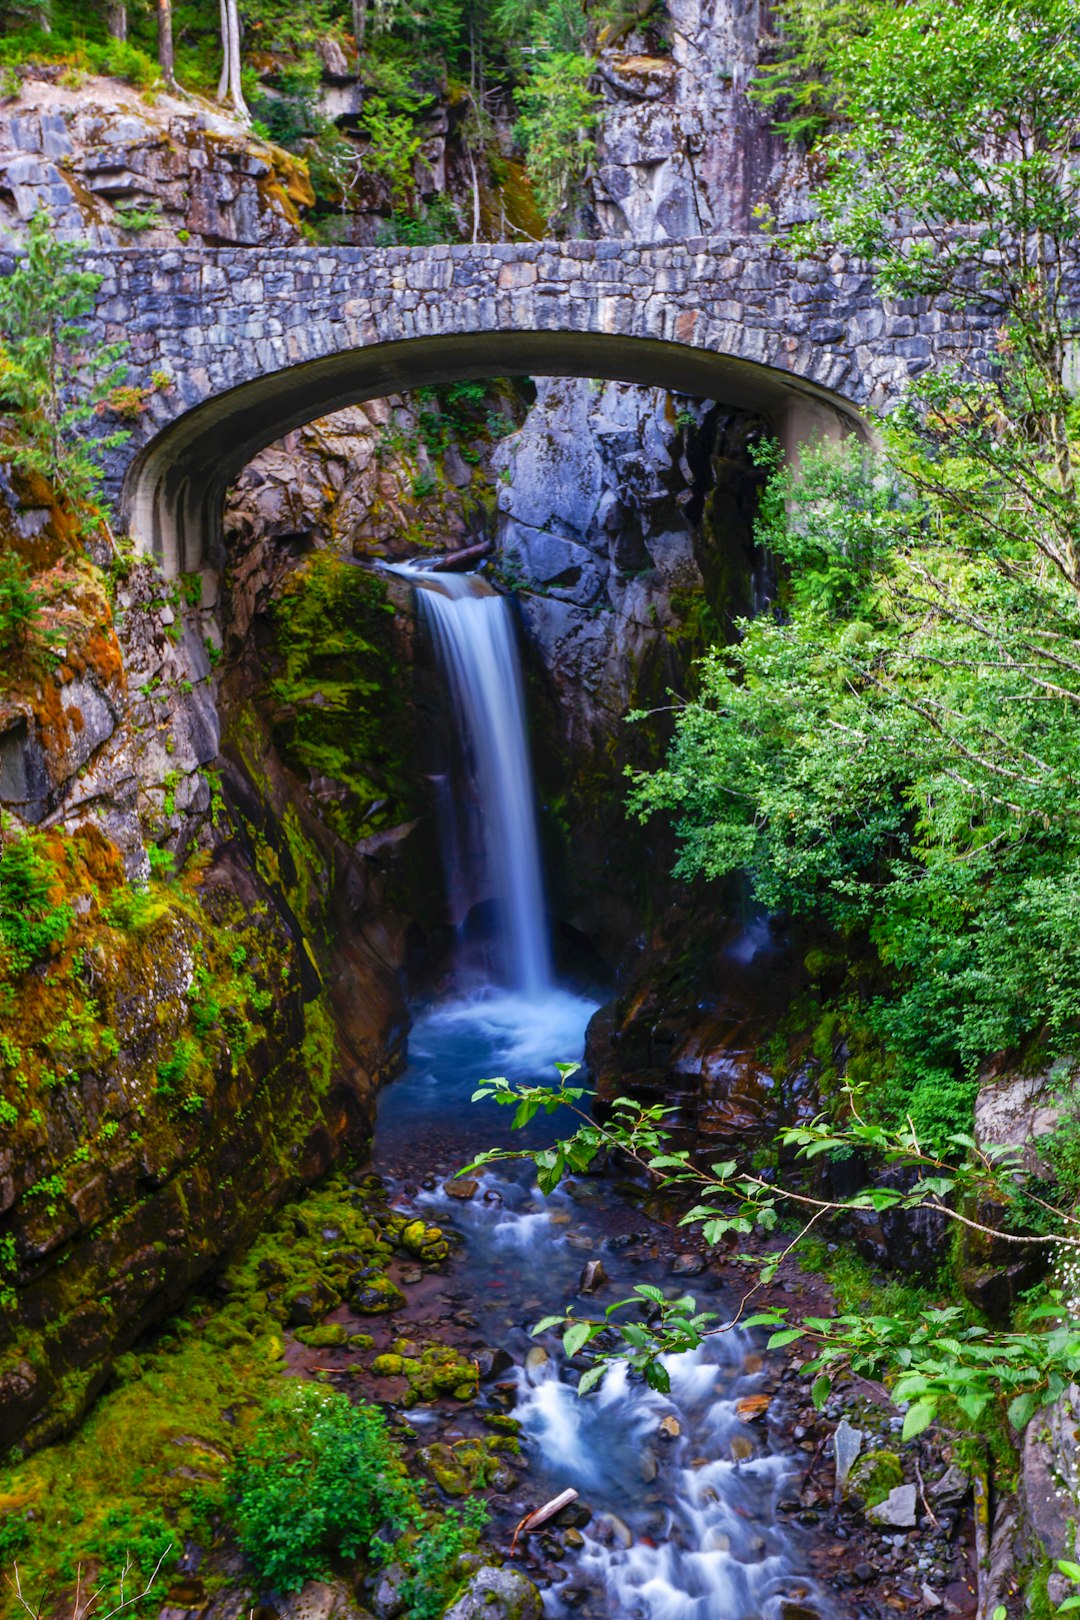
x=656 y=1376
x=591 y=1377
x=576 y=1336
x=820 y=1390
x=785 y=1336
x=918 y=1417
x=1022 y=1409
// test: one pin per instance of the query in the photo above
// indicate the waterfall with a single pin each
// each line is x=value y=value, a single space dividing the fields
x=473 y=636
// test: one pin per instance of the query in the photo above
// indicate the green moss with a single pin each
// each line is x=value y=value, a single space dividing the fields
x=875 y=1475
x=337 y=694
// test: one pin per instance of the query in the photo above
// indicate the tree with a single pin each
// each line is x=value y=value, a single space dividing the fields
x=55 y=385
x=116 y=20
x=558 y=116
x=165 y=43
x=230 y=86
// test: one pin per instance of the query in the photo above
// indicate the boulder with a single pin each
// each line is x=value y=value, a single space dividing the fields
x=497 y=1594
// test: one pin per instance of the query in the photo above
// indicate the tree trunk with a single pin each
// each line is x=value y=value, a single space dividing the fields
x=116 y=19
x=359 y=23
x=165 y=42
x=229 y=85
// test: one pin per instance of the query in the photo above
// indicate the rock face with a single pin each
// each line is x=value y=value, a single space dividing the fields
x=113 y=168
x=681 y=150
x=177 y=1060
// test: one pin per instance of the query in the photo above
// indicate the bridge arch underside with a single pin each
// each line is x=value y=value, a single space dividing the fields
x=174 y=491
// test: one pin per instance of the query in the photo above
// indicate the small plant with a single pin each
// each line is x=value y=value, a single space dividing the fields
x=320 y=1479
x=136 y=219
x=31 y=921
x=20 y=604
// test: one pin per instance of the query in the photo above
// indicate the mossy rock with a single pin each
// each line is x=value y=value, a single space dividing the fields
x=388 y=1366
x=307 y=1303
x=416 y=1237
x=458 y=1469
x=875 y=1475
x=328 y=1336
x=374 y=1296
x=502 y=1421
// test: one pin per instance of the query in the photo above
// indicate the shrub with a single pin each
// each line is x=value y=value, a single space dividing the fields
x=30 y=922
x=20 y=604
x=320 y=1479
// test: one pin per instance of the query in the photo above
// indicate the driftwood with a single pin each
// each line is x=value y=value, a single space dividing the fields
x=455 y=561
x=541 y=1516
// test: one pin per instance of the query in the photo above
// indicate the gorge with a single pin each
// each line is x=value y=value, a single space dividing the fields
x=538 y=569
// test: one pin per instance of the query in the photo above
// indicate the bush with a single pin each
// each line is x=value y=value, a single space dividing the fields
x=320 y=1479
x=30 y=923
x=20 y=604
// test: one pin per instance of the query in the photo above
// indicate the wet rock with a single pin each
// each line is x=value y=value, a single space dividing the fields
x=669 y=1428
x=497 y=1594
x=687 y=1265
x=741 y=1450
x=374 y=1296
x=463 y=1190
x=897 y=1509
x=593 y=1277
x=536 y=1363
x=612 y=1530
x=649 y=1466
x=751 y=1407
x=492 y=1363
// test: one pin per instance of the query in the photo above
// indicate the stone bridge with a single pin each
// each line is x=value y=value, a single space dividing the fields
x=258 y=341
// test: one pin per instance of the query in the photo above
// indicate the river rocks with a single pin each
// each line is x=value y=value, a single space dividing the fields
x=497 y=1594
x=461 y=1190
x=593 y=1277
x=898 y=1508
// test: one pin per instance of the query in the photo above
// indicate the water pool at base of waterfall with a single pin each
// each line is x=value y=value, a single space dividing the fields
x=681 y=1490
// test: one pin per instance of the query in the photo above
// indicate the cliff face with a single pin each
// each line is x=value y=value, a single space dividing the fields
x=113 y=166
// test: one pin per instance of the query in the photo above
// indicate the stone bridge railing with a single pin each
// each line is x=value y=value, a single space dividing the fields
x=257 y=341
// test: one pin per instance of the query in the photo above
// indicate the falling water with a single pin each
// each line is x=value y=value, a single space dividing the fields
x=474 y=642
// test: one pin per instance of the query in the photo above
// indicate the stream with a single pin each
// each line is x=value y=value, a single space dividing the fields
x=678 y=1513
x=682 y=1492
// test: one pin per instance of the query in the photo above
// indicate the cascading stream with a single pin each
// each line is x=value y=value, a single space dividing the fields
x=682 y=1528
x=473 y=635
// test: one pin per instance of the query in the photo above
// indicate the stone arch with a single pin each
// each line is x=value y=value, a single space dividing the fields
x=173 y=490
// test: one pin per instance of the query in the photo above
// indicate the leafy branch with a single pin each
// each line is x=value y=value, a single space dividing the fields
x=932 y=1360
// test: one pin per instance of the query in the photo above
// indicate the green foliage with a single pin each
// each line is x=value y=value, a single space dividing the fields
x=936 y=1359
x=32 y=924
x=800 y=82
x=20 y=604
x=392 y=147
x=320 y=1479
x=434 y=1559
x=558 y=115
x=46 y=375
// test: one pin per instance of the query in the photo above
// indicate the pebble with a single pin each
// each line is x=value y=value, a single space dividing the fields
x=462 y=1190
x=669 y=1428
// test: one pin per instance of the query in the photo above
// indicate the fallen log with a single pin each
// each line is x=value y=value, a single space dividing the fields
x=541 y=1515
x=457 y=561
